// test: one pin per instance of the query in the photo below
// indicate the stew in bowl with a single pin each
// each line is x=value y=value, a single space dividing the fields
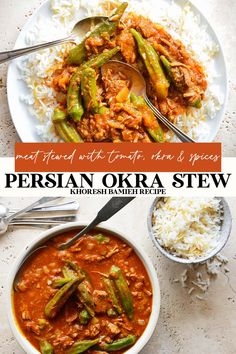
x=99 y=296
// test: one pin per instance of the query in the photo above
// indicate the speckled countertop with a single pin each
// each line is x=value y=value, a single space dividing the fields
x=14 y=13
x=186 y=325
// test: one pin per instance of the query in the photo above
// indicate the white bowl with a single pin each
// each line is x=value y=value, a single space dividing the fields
x=25 y=344
x=225 y=231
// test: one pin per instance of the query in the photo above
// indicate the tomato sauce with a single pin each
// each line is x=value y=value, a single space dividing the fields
x=95 y=255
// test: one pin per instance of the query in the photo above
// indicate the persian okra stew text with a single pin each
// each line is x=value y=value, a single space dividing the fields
x=95 y=297
x=95 y=105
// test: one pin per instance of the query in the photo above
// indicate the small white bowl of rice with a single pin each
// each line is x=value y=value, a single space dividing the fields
x=189 y=230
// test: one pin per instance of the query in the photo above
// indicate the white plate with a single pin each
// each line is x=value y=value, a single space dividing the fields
x=25 y=123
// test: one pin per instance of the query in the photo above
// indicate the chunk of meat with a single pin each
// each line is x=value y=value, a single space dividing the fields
x=142 y=24
x=95 y=128
x=171 y=107
x=101 y=300
x=26 y=315
x=33 y=327
x=62 y=341
x=93 y=330
x=130 y=117
x=114 y=83
x=23 y=285
x=127 y=46
x=61 y=78
x=92 y=44
x=113 y=329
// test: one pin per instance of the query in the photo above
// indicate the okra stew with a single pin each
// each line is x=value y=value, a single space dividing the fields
x=95 y=297
x=95 y=105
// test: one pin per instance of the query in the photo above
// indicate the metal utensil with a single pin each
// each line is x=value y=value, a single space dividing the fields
x=39 y=223
x=225 y=233
x=69 y=207
x=80 y=30
x=110 y=208
x=139 y=88
x=6 y=220
x=69 y=217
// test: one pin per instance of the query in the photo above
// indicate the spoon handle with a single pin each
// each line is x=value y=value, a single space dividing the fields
x=29 y=207
x=181 y=135
x=110 y=208
x=12 y=54
x=69 y=207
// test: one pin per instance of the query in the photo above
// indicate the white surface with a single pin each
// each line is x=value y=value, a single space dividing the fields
x=212 y=9
x=186 y=325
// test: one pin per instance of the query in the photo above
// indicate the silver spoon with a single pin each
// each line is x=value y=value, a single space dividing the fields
x=6 y=220
x=80 y=30
x=72 y=206
x=139 y=88
x=110 y=208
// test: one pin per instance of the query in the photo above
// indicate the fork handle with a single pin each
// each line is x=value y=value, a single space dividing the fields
x=40 y=201
x=179 y=133
x=12 y=54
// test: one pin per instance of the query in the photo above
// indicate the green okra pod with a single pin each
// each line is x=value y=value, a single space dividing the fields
x=60 y=298
x=59 y=115
x=197 y=103
x=74 y=101
x=118 y=344
x=100 y=59
x=174 y=73
x=86 y=297
x=69 y=273
x=102 y=238
x=84 y=317
x=82 y=346
x=84 y=288
x=124 y=293
x=111 y=291
x=166 y=65
x=103 y=110
x=73 y=269
x=45 y=347
x=89 y=90
x=111 y=313
x=107 y=28
x=67 y=132
x=153 y=65
x=155 y=130
x=59 y=282
x=177 y=77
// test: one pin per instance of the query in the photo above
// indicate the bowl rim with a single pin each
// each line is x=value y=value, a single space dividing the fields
x=43 y=237
x=177 y=259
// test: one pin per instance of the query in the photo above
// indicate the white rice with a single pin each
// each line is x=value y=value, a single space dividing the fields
x=188 y=227
x=180 y=22
x=198 y=278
